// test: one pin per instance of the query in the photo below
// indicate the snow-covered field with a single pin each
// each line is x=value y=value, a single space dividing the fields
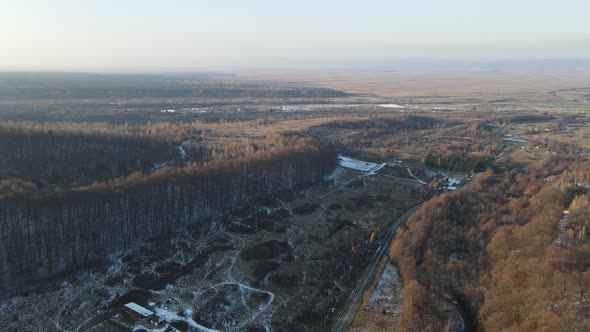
x=359 y=165
x=513 y=139
x=185 y=110
x=391 y=106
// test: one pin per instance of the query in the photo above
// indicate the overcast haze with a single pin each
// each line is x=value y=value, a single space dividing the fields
x=199 y=35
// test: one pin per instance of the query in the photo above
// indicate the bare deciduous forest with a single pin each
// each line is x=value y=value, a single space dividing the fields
x=504 y=248
x=46 y=232
x=227 y=203
x=304 y=166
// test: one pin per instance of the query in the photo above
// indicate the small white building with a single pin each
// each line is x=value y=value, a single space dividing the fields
x=136 y=310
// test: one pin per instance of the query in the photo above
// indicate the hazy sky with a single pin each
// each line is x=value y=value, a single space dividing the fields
x=136 y=35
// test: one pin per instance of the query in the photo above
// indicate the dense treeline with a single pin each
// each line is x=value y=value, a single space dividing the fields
x=201 y=151
x=501 y=253
x=172 y=132
x=72 y=154
x=62 y=86
x=215 y=91
x=457 y=162
x=379 y=132
x=402 y=122
x=472 y=154
x=436 y=141
x=47 y=232
x=168 y=131
x=531 y=118
x=508 y=117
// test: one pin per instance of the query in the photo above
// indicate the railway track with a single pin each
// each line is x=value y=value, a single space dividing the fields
x=345 y=317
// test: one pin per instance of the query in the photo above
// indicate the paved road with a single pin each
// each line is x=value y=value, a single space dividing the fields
x=350 y=308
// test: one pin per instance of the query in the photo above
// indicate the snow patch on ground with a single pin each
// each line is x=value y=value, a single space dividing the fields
x=359 y=165
x=387 y=293
x=391 y=106
x=414 y=176
x=513 y=139
x=181 y=156
x=562 y=227
x=453 y=181
x=181 y=152
x=336 y=174
x=454 y=178
x=170 y=317
x=157 y=166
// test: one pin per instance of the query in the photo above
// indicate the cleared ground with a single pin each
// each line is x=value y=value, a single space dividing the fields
x=284 y=264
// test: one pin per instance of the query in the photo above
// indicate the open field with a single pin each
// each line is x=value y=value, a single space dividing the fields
x=443 y=85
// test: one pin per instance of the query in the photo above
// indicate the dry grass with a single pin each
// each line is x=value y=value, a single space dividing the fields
x=445 y=85
x=578 y=136
x=373 y=321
